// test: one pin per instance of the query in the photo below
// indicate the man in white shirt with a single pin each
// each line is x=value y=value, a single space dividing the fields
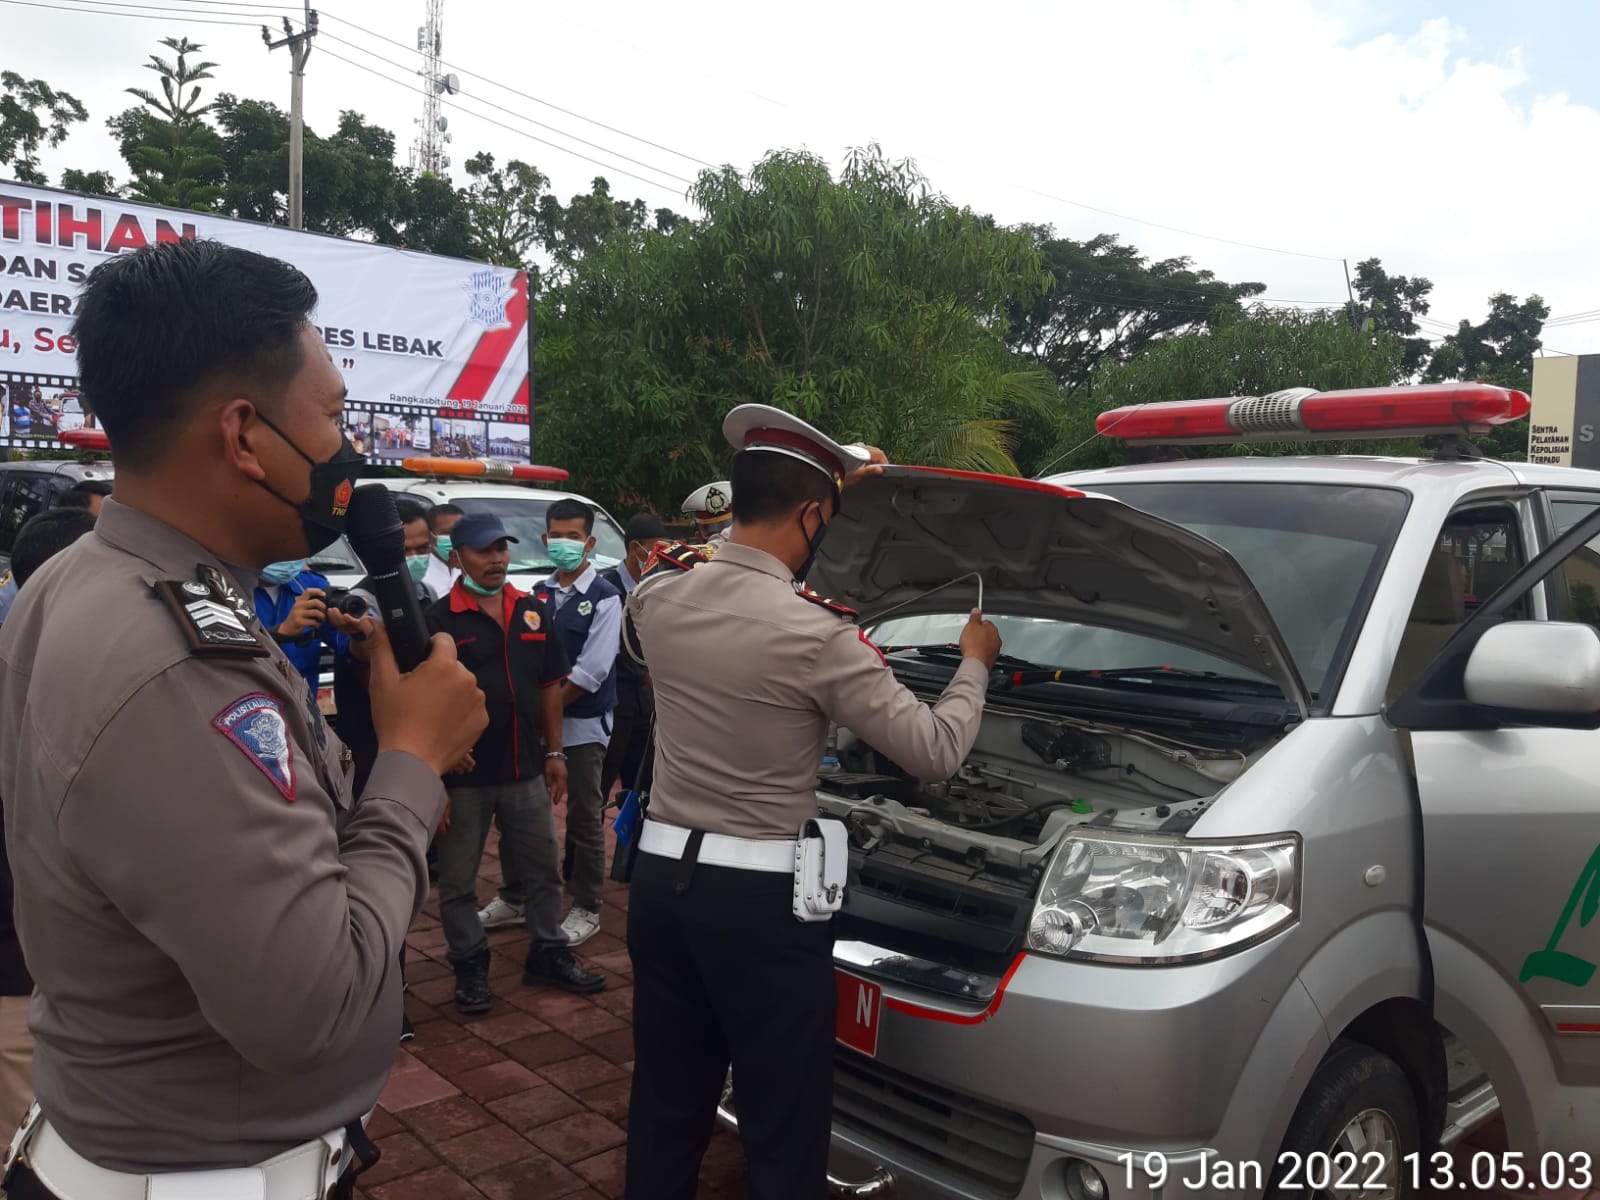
x=440 y=576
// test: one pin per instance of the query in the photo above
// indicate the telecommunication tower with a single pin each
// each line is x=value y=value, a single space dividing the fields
x=427 y=152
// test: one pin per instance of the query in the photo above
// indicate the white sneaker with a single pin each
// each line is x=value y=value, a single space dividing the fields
x=498 y=913
x=580 y=926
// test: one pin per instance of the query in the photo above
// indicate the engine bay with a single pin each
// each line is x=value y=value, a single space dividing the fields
x=1030 y=777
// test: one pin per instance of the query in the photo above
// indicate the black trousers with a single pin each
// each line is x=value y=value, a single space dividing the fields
x=25 y=1185
x=722 y=972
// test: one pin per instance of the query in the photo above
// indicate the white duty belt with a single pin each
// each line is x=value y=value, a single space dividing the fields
x=306 y=1172
x=818 y=860
x=720 y=849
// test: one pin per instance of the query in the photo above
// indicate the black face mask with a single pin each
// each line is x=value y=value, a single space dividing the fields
x=813 y=543
x=324 y=513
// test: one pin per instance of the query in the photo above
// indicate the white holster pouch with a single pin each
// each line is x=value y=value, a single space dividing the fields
x=821 y=861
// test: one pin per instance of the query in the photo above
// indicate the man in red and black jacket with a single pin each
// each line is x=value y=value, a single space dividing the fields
x=512 y=775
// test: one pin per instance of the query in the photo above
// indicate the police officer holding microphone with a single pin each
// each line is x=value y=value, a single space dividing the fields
x=212 y=920
x=729 y=934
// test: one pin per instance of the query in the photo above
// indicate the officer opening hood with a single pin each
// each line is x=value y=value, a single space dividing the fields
x=1044 y=551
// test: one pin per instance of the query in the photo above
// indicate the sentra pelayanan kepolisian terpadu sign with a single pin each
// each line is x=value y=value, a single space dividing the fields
x=434 y=350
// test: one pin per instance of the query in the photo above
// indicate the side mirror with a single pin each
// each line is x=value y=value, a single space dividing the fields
x=1536 y=667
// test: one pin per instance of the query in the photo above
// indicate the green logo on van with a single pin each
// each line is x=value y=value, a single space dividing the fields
x=1551 y=963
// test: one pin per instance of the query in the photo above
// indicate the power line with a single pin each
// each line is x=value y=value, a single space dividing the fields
x=528 y=96
x=236 y=6
x=1174 y=229
x=137 y=16
x=501 y=124
x=512 y=112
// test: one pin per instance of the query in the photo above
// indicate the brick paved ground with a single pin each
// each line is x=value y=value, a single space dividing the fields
x=529 y=1101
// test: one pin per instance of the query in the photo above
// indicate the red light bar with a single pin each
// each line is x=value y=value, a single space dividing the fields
x=86 y=439
x=484 y=468
x=1304 y=414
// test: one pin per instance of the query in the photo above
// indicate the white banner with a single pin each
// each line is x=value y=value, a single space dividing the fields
x=434 y=350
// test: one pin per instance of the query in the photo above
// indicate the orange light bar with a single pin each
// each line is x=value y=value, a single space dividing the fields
x=86 y=439
x=1304 y=414
x=484 y=468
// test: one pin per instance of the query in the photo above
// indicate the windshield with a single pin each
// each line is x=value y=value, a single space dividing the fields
x=523 y=518
x=1314 y=552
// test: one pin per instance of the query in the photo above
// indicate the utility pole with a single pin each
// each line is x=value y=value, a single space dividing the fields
x=299 y=50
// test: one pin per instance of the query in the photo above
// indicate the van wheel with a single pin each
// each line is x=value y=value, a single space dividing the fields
x=1351 y=1131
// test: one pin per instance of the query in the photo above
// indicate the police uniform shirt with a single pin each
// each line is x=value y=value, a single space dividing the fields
x=212 y=923
x=732 y=645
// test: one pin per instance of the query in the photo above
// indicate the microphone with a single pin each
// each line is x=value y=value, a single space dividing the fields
x=379 y=540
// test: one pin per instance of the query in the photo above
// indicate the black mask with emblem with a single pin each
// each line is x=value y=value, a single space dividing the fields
x=325 y=513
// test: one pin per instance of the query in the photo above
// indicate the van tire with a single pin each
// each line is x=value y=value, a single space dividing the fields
x=1350 y=1079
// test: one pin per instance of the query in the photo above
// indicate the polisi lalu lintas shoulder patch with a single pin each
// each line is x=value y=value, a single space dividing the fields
x=256 y=725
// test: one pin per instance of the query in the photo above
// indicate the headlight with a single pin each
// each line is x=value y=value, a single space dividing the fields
x=1123 y=897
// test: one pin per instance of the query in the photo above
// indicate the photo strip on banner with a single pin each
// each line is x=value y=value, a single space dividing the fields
x=39 y=409
x=420 y=339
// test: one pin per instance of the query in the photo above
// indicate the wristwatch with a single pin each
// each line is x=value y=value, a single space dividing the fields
x=561 y=754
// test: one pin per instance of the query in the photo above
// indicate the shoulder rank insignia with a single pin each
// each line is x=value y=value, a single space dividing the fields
x=255 y=724
x=832 y=606
x=679 y=555
x=210 y=618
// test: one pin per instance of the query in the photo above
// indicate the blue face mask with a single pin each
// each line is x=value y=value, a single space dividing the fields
x=566 y=553
x=280 y=573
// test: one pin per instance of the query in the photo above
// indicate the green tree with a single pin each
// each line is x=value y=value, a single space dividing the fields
x=503 y=209
x=174 y=154
x=432 y=216
x=864 y=303
x=1392 y=304
x=352 y=186
x=33 y=115
x=569 y=231
x=1246 y=354
x=1497 y=350
x=1104 y=305
x=95 y=183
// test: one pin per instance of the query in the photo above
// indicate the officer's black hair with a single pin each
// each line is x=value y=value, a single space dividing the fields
x=568 y=509
x=411 y=510
x=443 y=510
x=767 y=486
x=81 y=494
x=156 y=324
x=44 y=536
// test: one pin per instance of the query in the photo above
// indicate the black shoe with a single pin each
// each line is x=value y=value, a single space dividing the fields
x=558 y=969
x=406 y=1032
x=472 y=984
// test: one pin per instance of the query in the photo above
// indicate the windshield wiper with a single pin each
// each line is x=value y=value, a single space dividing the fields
x=945 y=651
x=1155 y=675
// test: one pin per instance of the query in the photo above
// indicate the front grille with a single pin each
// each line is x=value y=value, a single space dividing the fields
x=973 y=918
x=986 y=1148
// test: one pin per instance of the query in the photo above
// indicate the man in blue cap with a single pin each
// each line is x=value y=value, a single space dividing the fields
x=506 y=638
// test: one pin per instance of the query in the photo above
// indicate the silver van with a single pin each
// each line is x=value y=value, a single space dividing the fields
x=1274 y=867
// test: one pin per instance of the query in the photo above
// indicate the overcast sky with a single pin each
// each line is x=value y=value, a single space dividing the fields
x=1456 y=140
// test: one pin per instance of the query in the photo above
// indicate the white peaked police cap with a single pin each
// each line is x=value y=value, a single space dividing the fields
x=711 y=503
x=762 y=427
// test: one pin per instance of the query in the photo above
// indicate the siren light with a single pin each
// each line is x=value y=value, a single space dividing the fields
x=86 y=439
x=484 y=468
x=1305 y=414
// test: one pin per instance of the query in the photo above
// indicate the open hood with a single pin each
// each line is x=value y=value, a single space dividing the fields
x=1044 y=551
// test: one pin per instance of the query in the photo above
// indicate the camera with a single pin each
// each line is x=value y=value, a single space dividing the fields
x=351 y=604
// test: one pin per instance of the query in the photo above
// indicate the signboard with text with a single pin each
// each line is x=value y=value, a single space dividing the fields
x=1564 y=426
x=434 y=350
